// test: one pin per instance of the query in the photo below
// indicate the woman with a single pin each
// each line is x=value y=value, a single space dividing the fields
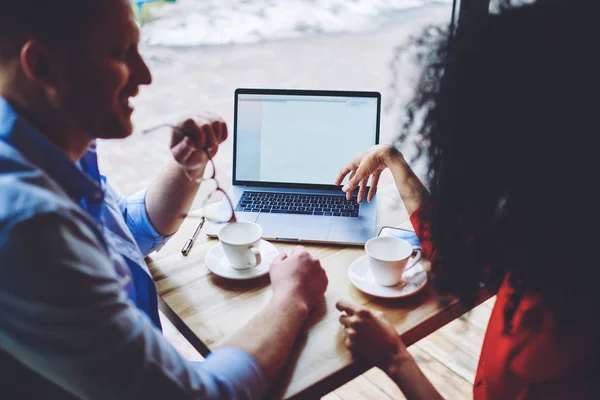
x=508 y=118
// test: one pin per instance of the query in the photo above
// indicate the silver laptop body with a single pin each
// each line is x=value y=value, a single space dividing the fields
x=289 y=146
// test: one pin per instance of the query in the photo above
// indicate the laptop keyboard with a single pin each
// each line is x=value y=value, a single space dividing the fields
x=289 y=203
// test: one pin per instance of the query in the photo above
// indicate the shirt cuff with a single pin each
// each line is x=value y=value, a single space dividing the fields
x=239 y=371
x=138 y=221
x=421 y=220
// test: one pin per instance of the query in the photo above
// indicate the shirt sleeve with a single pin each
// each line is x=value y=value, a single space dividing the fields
x=136 y=217
x=64 y=314
x=420 y=221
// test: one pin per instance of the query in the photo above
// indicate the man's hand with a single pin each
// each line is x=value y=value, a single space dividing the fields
x=203 y=134
x=370 y=337
x=299 y=283
x=299 y=275
x=370 y=163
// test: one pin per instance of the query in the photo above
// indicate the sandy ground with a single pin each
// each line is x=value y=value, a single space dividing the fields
x=204 y=78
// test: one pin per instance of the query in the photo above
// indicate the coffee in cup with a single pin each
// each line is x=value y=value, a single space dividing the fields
x=389 y=257
x=241 y=241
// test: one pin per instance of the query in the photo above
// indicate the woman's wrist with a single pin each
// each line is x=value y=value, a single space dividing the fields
x=398 y=361
x=410 y=379
x=392 y=156
x=411 y=189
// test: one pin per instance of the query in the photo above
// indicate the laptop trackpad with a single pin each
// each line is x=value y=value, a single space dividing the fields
x=289 y=226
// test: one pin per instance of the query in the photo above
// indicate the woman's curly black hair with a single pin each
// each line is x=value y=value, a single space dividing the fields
x=507 y=116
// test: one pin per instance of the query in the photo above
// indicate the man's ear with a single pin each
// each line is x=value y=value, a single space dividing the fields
x=35 y=61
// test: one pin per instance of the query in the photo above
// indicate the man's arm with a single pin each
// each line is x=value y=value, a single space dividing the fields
x=170 y=196
x=64 y=314
x=299 y=284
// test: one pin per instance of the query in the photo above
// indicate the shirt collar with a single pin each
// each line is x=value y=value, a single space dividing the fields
x=18 y=133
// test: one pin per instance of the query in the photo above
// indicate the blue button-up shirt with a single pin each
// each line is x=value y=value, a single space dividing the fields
x=78 y=308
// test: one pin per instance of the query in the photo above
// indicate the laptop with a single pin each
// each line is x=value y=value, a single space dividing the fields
x=288 y=148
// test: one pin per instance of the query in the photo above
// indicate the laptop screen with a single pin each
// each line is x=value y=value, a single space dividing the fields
x=301 y=138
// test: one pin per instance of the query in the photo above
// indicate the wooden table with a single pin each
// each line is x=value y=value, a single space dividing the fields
x=208 y=309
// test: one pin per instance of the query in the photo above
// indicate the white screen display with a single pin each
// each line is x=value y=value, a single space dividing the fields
x=301 y=139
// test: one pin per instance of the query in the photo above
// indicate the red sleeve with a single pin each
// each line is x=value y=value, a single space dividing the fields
x=421 y=220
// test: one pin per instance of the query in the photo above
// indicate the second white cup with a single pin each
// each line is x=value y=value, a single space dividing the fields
x=389 y=258
x=241 y=243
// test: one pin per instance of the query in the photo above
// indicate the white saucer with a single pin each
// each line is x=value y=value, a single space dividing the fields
x=218 y=264
x=360 y=275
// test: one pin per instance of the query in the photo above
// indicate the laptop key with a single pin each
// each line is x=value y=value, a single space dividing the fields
x=326 y=213
x=291 y=212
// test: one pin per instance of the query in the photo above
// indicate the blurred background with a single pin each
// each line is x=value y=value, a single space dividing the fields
x=200 y=51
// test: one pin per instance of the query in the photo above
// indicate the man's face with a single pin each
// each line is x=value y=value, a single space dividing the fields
x=98 y=74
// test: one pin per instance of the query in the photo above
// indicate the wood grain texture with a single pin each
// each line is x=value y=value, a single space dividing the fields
x=212 y=309
x=436 y=367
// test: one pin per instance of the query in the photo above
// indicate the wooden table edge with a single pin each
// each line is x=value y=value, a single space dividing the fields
x=343 y=376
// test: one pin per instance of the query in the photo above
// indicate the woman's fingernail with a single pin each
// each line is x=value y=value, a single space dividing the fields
x=345 y=188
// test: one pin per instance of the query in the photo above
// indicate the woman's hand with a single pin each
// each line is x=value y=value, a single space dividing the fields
x=370 y=337
x=370 y=163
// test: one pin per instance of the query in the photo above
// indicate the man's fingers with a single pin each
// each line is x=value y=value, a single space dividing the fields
x=349 y=343
x=298 y=250
x=351 y=333
x=182 y=150
x=373 y=189
x=176 y=137
x=282 y=256
x=210 y=137
x=346 y=320
x=192 y=130
x=346 y=307
x=220 y=129
x=212 y=151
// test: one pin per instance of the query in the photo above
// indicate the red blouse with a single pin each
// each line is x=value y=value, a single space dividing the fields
x=533 y=362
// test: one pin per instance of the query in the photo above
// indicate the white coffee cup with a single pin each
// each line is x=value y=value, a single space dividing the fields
x=389 y=258
x=241 y=242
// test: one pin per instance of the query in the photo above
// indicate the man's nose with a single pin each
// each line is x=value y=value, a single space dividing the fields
x=141 y=72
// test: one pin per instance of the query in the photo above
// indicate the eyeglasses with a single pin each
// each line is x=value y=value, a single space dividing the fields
x=210 y=185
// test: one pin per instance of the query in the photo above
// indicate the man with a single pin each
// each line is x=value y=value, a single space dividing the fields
x=78 y=308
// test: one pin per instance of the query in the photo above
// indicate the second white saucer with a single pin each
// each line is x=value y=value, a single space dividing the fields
x=218 y=264
x=361 y=277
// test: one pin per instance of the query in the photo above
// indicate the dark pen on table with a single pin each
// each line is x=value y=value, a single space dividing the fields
x=190 y=242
